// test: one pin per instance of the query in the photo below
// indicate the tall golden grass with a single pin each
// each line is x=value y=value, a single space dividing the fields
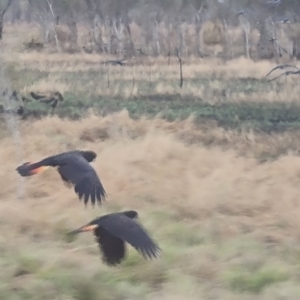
x=109 y=80
x=194 y=181
x=201 y=191
x=146 y=166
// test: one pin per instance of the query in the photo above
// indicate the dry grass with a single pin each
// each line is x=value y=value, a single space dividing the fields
x=208 y=79
x=223 y=210
x=210 y=209
x=239 y=67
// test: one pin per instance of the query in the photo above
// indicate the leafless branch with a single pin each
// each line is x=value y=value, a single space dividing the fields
x=286 y=74
x=180 y=68
x=54 y=21
x=120 y=62
x=2 y=13
x=9 y=2
x=281 y=67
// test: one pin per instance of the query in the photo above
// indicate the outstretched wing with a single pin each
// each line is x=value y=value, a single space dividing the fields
x=112 y=248
x=74 y=169
x=29 y=169
x=128 y=230
x=77 y=171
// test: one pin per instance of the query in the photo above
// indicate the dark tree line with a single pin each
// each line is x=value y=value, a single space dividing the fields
x=164 y=27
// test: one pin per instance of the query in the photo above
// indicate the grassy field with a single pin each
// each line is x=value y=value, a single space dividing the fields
x=235 y=95
x=212 y=168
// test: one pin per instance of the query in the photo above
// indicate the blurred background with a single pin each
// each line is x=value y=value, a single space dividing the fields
x=190 y=129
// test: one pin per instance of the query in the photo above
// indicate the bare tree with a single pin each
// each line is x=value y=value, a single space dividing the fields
x=157 y=27
x=2 y=13
x=246 y=31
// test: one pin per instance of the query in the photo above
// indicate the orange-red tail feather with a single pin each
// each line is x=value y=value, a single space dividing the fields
x=25 y=171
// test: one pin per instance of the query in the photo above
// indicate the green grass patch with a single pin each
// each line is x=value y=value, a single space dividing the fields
x=241 y=280
x=256 y=114
x=27 y=264
x=263 y=116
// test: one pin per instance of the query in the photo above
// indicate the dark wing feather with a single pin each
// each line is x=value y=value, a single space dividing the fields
x=66 y=181
x=131 y=232
x=29 y=169
x=74 y=169
x=81 y=174
x=112 y=248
